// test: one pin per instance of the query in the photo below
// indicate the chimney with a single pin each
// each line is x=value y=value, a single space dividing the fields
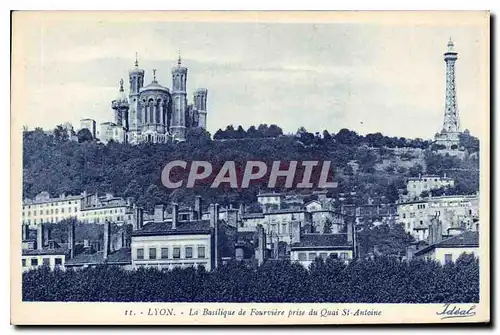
x=107 y=239
x=46 y=236
x=123 y=237
x=25 y=232
x=175 y=215
x=159 y=214
x=241 y=211
x=276 y=247
x=232 y=217
x=439 y=231
x=349 y=231
x=261 y=248
x=296 y=232
x=197 y=207
x=431 y=232
x=214 y=215
x=239 y=253
x=39 y=236
x=138 y=218
x=214 y=224
x=71 y=239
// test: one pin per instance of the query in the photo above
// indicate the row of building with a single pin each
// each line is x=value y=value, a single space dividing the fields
x=192 y=236
x=186 y=237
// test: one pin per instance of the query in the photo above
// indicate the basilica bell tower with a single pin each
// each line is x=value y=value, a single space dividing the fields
x=179 y=101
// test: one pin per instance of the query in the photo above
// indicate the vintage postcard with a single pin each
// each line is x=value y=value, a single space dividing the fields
x=245 y=168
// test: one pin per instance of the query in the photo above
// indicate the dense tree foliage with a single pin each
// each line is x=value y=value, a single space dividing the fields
x=84 y=135
x=262 y=131
x=380 y=280
x=53 y=163
x=384 y=239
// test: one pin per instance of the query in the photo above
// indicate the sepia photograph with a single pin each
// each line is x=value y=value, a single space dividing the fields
x=250 y=167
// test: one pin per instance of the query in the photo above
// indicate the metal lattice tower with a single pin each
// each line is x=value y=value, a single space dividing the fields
x=451 y=123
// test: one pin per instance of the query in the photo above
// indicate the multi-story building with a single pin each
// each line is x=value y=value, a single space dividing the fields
x=154 y=113
x=99 y=209
x=277 y=223
x=44 y=208
x=89 y=124
x=179 y=243
x=41 y=252
x=454 y=211
x=268 y=201
x=450 y=249
x=324 y=218
x=416 y=185
x=88 y=208
x=305 y=248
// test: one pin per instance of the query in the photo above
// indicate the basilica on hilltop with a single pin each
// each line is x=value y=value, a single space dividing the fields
x=155 y=113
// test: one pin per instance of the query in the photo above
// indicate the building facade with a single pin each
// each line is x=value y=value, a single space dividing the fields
x=154 y=113
x=89 y=124
x=416 y=185
x=312 y=246
x=87 y=208
x=456 y=211
x=43 y=208
x=450 y=249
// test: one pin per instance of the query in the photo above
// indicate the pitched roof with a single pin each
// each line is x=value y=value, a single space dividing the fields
x=315 y=241
x=253 y=215
x=121 y=256
x=466 y=239
x=44 y=251
x=165 y=228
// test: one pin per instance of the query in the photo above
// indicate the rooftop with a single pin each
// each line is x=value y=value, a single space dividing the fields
x=165 y=228
x=466 y=239
x=45 y=251
x=122 y=256
x=322 y=241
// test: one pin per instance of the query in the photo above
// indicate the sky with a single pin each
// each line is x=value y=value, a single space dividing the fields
x=365 y=77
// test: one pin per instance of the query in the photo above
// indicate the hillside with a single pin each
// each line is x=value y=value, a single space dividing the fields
x=54 y=164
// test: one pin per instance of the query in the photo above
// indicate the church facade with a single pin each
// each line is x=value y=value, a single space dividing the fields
x=155 y=113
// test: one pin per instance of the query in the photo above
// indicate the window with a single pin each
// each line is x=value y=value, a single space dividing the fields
x=189 y=252
x=46 y=261
x=404 y=216
x=164 y=253
x=323 y=255
x=152 y=253
x=58 y=261
x=201 y=252
x=23 y=262
x=312 y=256
x=448 y=258
x=140 y=253
x=62 y=210
x=177 y=252
x=344 y=255
x=335 y=255
x=34 y=262
x=421 y=222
